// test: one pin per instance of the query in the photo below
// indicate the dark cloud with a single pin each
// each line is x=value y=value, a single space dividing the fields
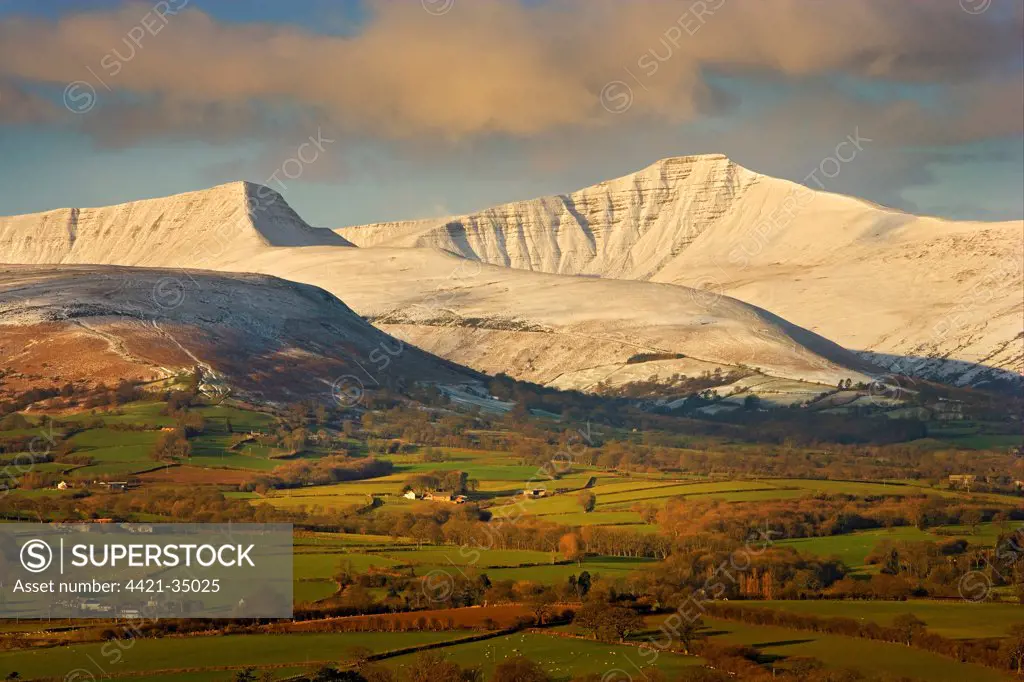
x=505 y=96
x=488 y=67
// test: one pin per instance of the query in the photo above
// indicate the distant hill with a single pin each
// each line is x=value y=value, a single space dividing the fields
x=259 y=336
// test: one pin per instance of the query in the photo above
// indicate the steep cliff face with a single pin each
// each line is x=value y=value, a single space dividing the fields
x=921 y=295
x=191 y=229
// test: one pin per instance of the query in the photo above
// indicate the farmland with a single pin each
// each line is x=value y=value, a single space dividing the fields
x=560 y=657
x=853 y=548
x=954 y=619
x=540 y=567
x=114 y=453
x=457 y=556
x=374 y=569
x=850 y=653
x=607 y=567
x=185 y=659
x=314 y=566
x=151 y=656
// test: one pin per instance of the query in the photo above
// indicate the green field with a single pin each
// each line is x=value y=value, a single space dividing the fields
x=561 y=657
x=661 y=492
x=376 y=486
x=108 y=445
x=758 y=495
x=211 y=450
x=643 y=528
x=967 y=435
x=853 y=548
x=115 y=453
x=327 y=503
x=312 y=590
x=496 y=471
x=114 y=470
x=610 y=567
x=308 y=540
x=241 y=420
x=616 y=497
x=120 y=453
x=626 y=519
x=858 y=488
x=279 y=673
x=312 y=566
x=466 y=556
x=556 y=504
x=196 y=653
x=147 y=413
x=621 y=500
x=954 y=619
x=985 y=534
x=49 y=467
x=483 y=465
x=840 y=652
x=499 y=477
x=317 y=561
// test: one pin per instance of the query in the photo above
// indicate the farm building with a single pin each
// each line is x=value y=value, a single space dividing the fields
x=962 y=480
x=446 y=497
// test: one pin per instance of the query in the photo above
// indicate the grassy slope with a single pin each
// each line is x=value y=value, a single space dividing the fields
x=562 y=658
x=853 y=548
x=955 y=619
x=852 y=653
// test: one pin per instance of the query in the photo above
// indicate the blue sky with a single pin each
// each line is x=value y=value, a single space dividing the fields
x=447 y=106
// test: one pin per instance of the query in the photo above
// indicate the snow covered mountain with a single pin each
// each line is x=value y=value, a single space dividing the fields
x=921 y=295
x=258 y=335
x=180 y=230
x=572 y=332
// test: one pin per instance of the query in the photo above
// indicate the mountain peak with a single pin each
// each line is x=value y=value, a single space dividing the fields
x=673 y=170
x=693 y=158
x=253 y=194
x=200 y=226
x=627 y=227
x=689 y=160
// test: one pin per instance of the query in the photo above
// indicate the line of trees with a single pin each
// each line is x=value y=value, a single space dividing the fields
x=323 y=471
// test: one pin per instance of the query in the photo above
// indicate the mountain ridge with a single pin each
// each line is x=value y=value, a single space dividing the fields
x=251 y=333
x=708 y=223
x=160 y=231
x=187 y=231
x=535 y=326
